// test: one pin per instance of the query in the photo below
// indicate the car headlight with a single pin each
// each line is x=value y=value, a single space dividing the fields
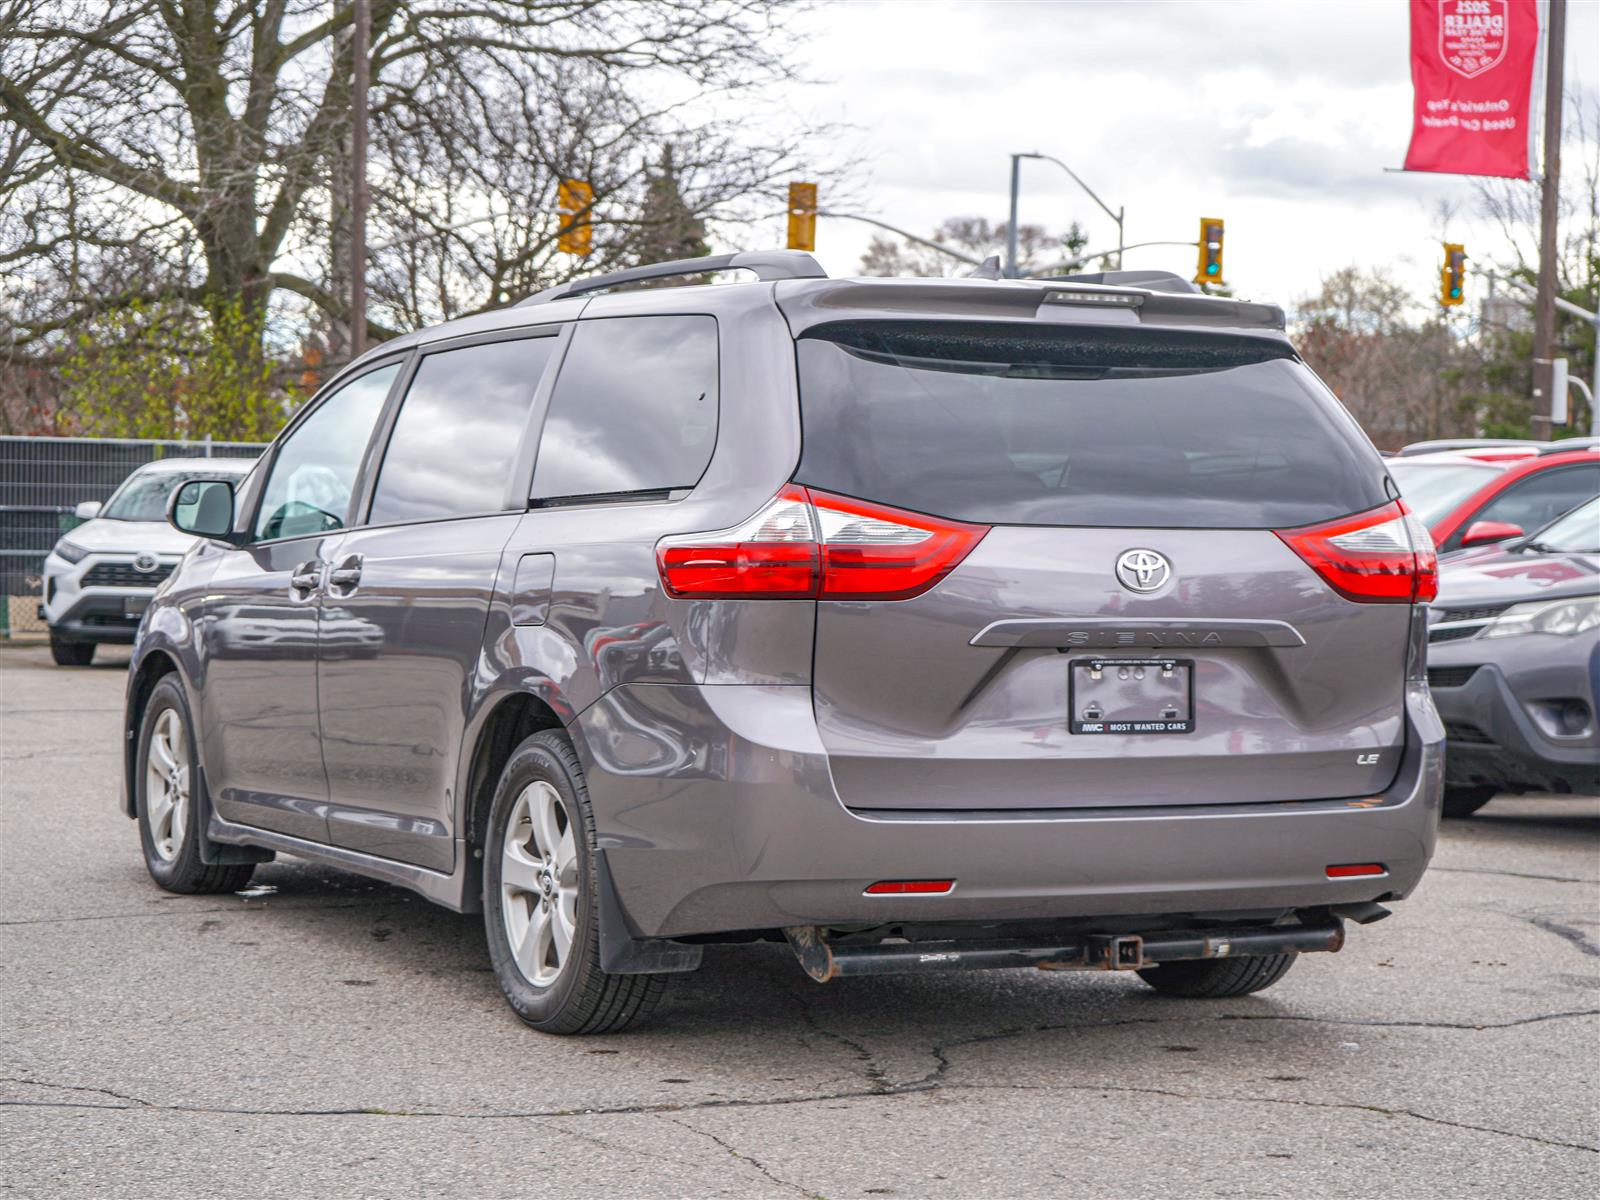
x=1575 y=615
x=71 y=551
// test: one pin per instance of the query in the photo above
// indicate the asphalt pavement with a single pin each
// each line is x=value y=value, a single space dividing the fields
x=322 y=1035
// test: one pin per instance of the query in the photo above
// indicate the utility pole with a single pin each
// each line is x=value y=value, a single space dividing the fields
x=1544 y=311
x=1011 y=225
x=360 y=39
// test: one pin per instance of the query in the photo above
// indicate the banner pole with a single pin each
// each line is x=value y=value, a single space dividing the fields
x=1544 y=311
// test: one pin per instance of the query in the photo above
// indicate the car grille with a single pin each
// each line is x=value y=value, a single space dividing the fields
x=123 y=575
x=1466 y=734
x=1454 y=624
x=1472 y=614
x=1449 y=677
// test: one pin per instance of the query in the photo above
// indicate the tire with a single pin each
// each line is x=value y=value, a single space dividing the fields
x=167 y=785
x=1464 y=801
x=70 y=654
x=1216 y=978
x=540 y=799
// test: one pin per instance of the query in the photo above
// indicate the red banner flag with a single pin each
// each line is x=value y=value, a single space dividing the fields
x=1472 y=68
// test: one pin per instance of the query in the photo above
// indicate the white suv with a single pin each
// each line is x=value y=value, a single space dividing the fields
x=99 y=578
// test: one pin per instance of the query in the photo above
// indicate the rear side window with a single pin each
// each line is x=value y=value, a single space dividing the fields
x=634 y=410
x=1046 y=425
x=456 y=439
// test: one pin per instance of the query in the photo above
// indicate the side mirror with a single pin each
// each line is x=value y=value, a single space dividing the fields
x=87 y=510
x=1481 y=533
x=204 y=508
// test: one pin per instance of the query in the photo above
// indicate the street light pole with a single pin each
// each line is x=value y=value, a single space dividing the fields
x=1011 y=229
x=360 y=37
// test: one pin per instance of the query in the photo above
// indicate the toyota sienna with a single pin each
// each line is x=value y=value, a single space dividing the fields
x=919 y=624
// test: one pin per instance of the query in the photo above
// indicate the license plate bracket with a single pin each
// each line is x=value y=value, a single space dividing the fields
x=1130 y=695
x=134 y=606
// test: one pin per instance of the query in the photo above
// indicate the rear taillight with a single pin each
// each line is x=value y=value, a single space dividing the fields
x=809 y=544
x=1382 y=556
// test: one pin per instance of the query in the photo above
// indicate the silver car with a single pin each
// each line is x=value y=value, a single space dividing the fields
x=100 y=576
x=919 y=624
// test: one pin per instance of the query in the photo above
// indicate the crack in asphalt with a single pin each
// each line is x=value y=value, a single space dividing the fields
x=750 y=1159
x=933 y=1082
x=877 y=1077
x=1509 y=874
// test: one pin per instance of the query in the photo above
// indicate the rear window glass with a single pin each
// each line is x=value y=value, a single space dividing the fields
x=1045 y=425
x=634 y=409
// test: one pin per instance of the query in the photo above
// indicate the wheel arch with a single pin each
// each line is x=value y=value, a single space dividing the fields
x=512 y=718
x=151 y=670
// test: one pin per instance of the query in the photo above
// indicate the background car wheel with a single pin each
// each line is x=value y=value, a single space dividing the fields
x=1214 y=978
x=167 y=785
x=539 y=897
x=71 y=654
x=1464 y=801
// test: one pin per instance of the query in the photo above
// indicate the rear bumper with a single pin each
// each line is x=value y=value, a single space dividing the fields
x=717 y=814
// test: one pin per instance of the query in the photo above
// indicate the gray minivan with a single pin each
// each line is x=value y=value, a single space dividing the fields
x=921 y=624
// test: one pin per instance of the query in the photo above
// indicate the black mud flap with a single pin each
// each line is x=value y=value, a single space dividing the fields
x=623 y=954
x=220 y=854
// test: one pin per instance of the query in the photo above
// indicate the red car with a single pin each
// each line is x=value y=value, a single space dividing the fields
x=1471 y=500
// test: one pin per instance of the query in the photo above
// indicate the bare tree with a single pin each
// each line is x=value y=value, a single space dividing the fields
x=153 y=150
x=975 y=237
x=1403 y=373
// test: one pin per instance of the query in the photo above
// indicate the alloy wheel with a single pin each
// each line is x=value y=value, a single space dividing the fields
x=167 y=785
x=539 y=883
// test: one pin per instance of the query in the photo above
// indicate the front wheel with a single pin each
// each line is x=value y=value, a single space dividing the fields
x=1217 y=978
x=1464 y=801
x=539 y=899
x=167 y=786
x=70 y=654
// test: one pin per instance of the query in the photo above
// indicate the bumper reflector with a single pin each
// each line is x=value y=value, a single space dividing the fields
x=1348 y=870
x=911 y=887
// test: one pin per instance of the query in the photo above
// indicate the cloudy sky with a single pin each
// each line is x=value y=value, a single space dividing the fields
x=1278 y=116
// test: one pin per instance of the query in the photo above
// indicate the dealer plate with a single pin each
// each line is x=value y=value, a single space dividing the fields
x=1131 y=695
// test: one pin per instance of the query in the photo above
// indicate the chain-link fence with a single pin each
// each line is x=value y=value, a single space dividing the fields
x=42 y=479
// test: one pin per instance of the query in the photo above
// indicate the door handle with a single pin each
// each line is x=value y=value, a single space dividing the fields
x=347 y=575
x=307 y=577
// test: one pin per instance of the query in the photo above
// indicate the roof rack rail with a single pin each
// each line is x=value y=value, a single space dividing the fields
x=1153 y=281
x=1572 y=443
x=767 y=265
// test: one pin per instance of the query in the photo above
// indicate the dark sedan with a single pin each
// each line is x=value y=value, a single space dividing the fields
x=1514 y=664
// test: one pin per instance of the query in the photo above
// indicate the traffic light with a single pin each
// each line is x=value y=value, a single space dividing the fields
x=802 y=216
x=1209 y=269
x=574 y=199
x=1453 y=275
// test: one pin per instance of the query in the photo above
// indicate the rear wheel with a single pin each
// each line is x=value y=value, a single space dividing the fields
x=167 y=785
x=1464 y=801
x=70 y=654
x=1216 y=978
x=539 y=899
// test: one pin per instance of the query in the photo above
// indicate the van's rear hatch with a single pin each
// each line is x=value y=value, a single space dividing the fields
x=1220 y=668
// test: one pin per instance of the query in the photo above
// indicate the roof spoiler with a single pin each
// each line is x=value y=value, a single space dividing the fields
x=1150 y=281
x=768 y=265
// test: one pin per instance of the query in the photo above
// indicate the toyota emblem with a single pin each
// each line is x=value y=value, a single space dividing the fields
x=146 y=562
x=1143 y=570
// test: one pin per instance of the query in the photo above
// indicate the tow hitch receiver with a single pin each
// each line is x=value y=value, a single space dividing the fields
x=824 y=960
